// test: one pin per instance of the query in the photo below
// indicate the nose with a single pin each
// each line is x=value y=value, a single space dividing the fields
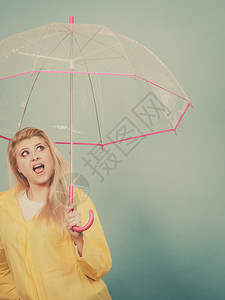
x=34 y=156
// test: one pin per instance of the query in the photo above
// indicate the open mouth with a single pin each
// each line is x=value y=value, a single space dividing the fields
x=38 y=169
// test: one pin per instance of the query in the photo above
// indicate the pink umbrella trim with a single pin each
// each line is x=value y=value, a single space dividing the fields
x=99 y=73
x=122 y=140
x=4 y=137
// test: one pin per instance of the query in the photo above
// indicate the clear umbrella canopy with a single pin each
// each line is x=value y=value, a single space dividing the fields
x=120 y=89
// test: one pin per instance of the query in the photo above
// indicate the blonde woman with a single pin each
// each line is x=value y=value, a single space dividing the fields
x=41 y=257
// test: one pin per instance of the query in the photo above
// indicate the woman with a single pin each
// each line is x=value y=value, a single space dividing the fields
x=41 y=257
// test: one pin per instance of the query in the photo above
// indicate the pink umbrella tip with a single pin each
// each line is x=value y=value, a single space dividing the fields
x=71 y=20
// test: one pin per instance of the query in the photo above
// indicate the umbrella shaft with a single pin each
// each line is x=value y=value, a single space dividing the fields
x=71 y=108
x=71 y=128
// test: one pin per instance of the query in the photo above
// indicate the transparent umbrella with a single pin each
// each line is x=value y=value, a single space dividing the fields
x=78 y=81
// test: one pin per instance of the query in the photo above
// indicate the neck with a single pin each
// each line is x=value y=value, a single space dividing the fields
x=38 y=193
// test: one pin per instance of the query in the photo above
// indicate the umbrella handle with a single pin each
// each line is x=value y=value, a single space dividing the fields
x=88 y=225
x=91 y=214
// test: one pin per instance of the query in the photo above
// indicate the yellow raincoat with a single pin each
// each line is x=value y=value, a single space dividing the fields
x=36 y=263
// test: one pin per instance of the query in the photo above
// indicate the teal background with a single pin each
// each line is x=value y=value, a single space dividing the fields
x=162 y=208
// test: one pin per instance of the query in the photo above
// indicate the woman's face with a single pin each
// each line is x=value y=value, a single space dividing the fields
x=35 y=161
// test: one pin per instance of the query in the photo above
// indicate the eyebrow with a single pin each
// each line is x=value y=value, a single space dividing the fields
x=25 y=148
x=38 y=144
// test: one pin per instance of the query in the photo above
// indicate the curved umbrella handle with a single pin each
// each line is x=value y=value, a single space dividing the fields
x=91 y=214
x=88 y=225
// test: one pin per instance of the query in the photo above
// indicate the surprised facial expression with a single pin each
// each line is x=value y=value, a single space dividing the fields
x=35 y=161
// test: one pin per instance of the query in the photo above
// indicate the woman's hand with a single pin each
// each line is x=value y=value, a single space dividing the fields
x=73 y=219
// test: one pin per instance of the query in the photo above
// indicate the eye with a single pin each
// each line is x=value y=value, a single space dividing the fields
x=40 y=148
x=25 y=153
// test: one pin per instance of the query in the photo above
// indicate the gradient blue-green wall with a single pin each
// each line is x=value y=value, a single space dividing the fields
x=163 y=207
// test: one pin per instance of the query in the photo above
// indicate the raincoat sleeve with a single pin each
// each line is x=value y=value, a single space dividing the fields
x=96 y=258
x=7 y=286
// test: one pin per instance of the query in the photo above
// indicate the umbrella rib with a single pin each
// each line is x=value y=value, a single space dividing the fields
x=64 y=60
x=61 y=41
x=85 y=45
x=125 y=54
x=92 y=39
x=54 y=50
x=28 y=99
x=44 y=48
x=32 y=87
x=99 y=42
x=98 y=51
x=93 y=93
x=96 y=110
x=162 y=108
x=35 y=61
x=46 y=57
x=42 y=56
x=32 y=43
x=51 y=51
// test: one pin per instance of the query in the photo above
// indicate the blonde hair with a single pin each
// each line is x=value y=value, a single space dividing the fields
x=58 y=188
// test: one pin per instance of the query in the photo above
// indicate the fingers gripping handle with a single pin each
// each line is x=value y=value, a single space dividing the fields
x=88 y=225
x=91 y=214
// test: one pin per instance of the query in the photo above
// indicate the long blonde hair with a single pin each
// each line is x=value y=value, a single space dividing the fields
x=58 y=188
